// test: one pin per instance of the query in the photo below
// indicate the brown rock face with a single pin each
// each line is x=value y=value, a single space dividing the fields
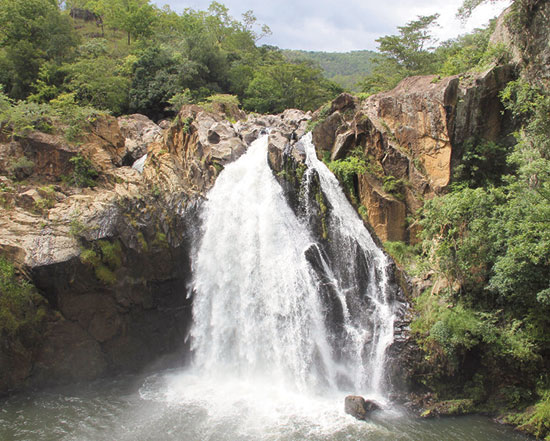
x=193 y=152
x=412 y=137
x=138 y=132
x=386 y=214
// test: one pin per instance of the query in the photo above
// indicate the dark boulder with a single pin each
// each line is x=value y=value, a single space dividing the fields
x=358 y=407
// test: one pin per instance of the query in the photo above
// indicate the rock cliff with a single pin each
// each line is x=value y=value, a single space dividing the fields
x=411 y=138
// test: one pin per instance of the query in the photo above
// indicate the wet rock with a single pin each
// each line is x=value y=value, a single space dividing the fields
x=358 y=407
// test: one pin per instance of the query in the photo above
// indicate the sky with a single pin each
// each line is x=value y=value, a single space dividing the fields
x=347 y=25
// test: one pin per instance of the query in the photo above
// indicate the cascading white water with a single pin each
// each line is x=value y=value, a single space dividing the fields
x=349 y=232
x=257 y=307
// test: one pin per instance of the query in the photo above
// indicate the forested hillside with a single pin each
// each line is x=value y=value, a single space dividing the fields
x=128 y=56
x=345 y=69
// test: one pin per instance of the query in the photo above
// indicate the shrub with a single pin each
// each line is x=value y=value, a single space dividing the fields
x=21 y=306
x=84 y=173
x=21 y=167
x=105 y=258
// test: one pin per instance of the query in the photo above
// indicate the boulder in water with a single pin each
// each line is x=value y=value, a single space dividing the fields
x=358 y=407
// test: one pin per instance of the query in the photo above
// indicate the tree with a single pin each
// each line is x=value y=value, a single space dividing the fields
x=32 y=32
x=283 y=85
x=159 y=75
x=467 y=8
x=406 y=54
x=410 y=49
x=136 y=17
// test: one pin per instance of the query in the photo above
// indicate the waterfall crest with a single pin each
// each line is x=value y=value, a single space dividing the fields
x=264 y=307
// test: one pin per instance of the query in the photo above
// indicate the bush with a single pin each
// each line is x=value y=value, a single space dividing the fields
x=21 y=167
x=84 y=173
x=105 y=258
x=347 y=169
x=405 y=255
x=21 y=307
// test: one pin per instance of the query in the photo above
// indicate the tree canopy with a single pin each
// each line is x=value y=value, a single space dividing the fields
x=136 y=57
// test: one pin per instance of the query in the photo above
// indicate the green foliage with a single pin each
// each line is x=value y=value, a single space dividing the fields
x=21 y=308
x=345 y=69
x=47 y=199
x=219 y=102
x=179 y=100
x=97 y=82
x=469 y=52
x=322 y=115
x=111 y=253
x=468 y=6
x=457 y=229
x=483 y=163
x=282 y=85
x=18 y=119
x=105 y=258
x=493 y=245
x=320 y=199
x=74 y=119
x=32 y=32
x=394 y=186
x=363 y=212
x=76 y=227
x=534 y=420
x=348 y=168
x=21 y=167
x=168 y=59
x=405 y=255
x=161 y=240
x=408 y=53
x=142 y=242
x=84 y=173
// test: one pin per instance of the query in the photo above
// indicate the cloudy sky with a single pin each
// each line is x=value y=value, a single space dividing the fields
x=328 y=25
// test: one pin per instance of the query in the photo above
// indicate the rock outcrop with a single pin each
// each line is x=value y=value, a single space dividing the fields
x=411 y=138
x=523 y=29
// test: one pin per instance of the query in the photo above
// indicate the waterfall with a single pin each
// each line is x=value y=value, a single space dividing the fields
x=271 y=302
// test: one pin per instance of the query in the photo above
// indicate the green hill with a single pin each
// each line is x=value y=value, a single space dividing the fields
x=345 y=69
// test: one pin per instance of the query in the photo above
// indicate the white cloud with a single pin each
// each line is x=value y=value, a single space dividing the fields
x=346 y=25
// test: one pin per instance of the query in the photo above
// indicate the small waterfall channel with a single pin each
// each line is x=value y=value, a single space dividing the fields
x=271 y=302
